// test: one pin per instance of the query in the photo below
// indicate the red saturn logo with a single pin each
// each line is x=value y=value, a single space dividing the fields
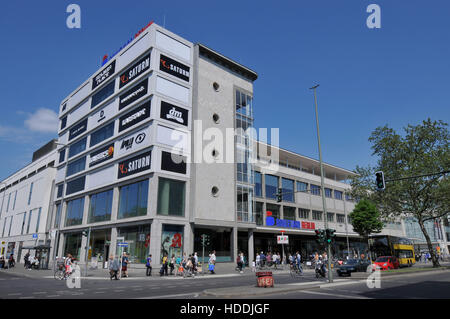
x=122 y=168
x=124 y=79
x=164 y=64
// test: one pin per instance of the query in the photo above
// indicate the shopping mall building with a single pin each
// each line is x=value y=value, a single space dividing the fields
x=154 y=151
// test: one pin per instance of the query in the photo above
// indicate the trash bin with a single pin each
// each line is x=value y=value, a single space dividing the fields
x=264 y=279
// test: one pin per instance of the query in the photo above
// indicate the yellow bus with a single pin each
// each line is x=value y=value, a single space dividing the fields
x=402 y=248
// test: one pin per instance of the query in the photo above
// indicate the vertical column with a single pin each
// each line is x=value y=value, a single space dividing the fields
x=83 y=251
x=60 y=252
x=113 y=244
x=251 y=247
x=155 y=242
x=234 y=243
x=115 y=204
x=188 y=240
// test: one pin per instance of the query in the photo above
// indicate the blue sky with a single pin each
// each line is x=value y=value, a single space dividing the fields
x=395 y=75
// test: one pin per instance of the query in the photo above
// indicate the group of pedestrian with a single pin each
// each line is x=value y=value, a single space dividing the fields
x=30 y=261
x=268 y=259
x=11 y=262
x=114 y=266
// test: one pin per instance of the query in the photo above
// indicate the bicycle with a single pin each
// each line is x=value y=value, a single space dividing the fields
x=62 y=274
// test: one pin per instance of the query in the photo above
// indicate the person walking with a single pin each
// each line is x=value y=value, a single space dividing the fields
x=196 y=261
x=26 y=260
x=172 y=264
x=113 y=267
x=11 y=261
x=258 y=260
x=212 y=262
x=149 y=265
x=165 y=266
x=125 y=262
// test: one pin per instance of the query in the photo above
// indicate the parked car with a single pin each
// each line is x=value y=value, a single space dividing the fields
x=353 y=265
x=387 y=262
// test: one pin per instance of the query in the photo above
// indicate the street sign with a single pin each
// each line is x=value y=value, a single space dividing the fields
x=282 y=239
x=122 y=244
x=35 y=236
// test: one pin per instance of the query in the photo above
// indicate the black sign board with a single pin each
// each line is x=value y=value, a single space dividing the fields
x=174 y=68
x=134 y=165
x=103 y=75
x=135 y=116
x=173 y=162
x=133 y=94
x=78 y=129
x=134 y=71
x=174 y=113
x=76 y=185
x=102 y=155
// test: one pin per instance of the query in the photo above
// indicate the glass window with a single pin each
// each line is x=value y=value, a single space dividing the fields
x=316 y=215
x=62 y=155
x=138 y=239
x=330 y=217
x=328 y=192
x=29 y=196
x=23 y=222
x=38 y=220
x=14 y=204
x=75 y=212
x=315 y=190
x=9 y=199
x=302 y=187
x=60 y=190
x=287 y=186
x=171 y=197
x=77 y=147
x=275 y=209
x=340 y=218
x=303 y=213
x=338 y=195
x=289 y=213
x=29 y=221
x=58 y=215
x=100 y=207
x=76 y=166
x=271 y=186
x=259 y=214
x=103 y=94
x=133 y=200
x=172 y=241
x=258 y=184
x=102 y=134
x=73 y=245
x=63 y=122
x=10 y=226
x=99 y=245
x=76 y=185
x=4 y=225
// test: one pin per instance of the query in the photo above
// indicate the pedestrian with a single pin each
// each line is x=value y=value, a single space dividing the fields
x=253 y=266
x=26 y=260
x=172 y=264
x=212 y=262
x=239 y=262
x=2 y=262
x=149 y=265
x=113 y=268
x=258 y=260
x=196 y=260
x=11 y=261
x=165 y=265
x=125 y=262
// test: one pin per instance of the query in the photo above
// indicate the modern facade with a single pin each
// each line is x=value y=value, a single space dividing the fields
x=27 y=201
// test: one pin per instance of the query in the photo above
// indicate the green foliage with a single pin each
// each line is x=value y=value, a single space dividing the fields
x=366 y=218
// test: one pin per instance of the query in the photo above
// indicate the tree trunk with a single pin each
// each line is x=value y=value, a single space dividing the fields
x=430 y=245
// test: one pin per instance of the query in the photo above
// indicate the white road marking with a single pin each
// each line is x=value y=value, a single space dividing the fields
x=39 y=293
x=15 y=294
x=171 y=296
x=333 y=295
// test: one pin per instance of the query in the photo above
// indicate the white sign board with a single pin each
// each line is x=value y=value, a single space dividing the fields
x=282 y=240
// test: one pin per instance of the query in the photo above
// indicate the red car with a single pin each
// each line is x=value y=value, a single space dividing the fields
x=387 y=262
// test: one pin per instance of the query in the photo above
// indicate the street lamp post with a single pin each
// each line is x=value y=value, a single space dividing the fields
x=330 y=275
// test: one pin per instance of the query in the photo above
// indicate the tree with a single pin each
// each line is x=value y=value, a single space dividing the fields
x=366 y=219
x=424 y=149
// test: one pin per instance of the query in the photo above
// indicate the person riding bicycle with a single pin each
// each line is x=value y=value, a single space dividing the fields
x=68 y=263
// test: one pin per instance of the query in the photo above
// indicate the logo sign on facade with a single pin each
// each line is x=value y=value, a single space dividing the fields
x=271 y=221
x=135 y=70
x=103 y=75
x=78 y=129
x=133 y=94
x=102 y=155
x=135 y=116
x=134 y=165
x=174 y=68
x=106 y=58
x=173 y=162
x=133 y=142
x=282 y=240
x=174 y=113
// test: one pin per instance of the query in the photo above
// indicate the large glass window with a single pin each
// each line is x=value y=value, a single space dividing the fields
x=138 y=239
x=275 y=209
x=258 y=184
x=29 y=221
x=38 y=220
x=102 y=134
x=171 y=195
x=288 y=212
x=76 y=166
x=23 y=222
x=315 y=190
x=75 y=212
x=338 y=194
x=287 y=190
x=9 y=199
x=100 y=207
x=73 y=245
x=63 y=122
x=220 y=239
x=259 y=213
x=172 y=241
x=271 y=186
x=99 y=245
x=328 y=192
x=76 y=185
x=330 y=217
x=244 y=104
x=77 y=147
x=244 y=203
x=316 y=215
x=103 y=94
x=62 y=155
x=29 y=195
x=303 y=213
x=14 y=204
x=302 y=187
x=133 y=200
x=340 y=218
x=58 y=215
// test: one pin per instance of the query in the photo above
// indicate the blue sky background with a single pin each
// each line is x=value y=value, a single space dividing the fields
x=395 y=75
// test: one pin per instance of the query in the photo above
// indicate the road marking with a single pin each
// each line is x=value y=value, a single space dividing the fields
x=118 y=290
x=333 y=295
x=99 y=292
x=171 y=296
x=39 y=293
x=15 y=294
x=52 y=296
x=31 y=297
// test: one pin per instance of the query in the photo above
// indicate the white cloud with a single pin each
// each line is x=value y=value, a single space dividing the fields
x=43 y=120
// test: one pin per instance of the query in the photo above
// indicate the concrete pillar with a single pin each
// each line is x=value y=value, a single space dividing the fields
x=83 y=251
x=234 y=243
x=113 y=244
x=188 y=245
x=60 y=252
x=251 y=247
x=155 y=242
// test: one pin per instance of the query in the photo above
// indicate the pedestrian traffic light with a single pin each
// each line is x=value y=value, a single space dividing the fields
x=380 y=180
x=320 y=236
x=330 y=235
x=279 y=196
x=205 y=240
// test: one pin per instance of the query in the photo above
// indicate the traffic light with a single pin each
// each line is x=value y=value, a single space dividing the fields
x=205 y=240
x=330 y=235
x=320 y=236
x=380 y=180
x=279 y=196
x=84 y=233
